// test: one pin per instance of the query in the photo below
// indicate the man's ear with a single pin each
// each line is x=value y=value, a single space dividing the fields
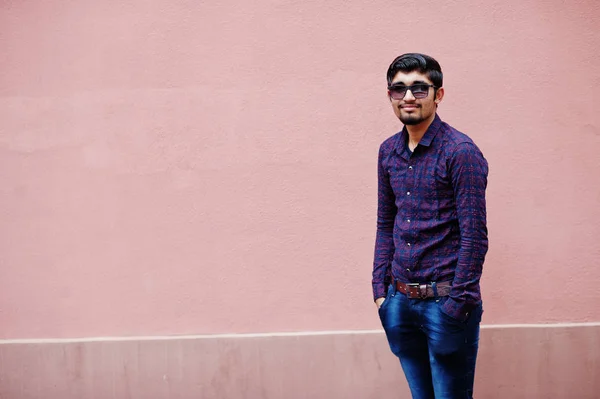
x=439 y=94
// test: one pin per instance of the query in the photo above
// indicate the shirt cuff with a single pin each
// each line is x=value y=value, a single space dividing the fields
x=457 y=310
x=379 y=291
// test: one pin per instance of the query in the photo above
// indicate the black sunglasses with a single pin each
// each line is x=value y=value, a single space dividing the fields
x=419 y=90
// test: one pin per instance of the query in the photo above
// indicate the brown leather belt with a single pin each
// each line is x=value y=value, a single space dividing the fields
x=422 y=291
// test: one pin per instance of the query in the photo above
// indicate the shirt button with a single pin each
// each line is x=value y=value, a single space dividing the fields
x=408 y=193
x=408 y=220
x=407 y=270
x=408 y=244
x=410 y=167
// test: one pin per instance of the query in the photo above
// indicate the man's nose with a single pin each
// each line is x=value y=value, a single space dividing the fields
x=409 y=95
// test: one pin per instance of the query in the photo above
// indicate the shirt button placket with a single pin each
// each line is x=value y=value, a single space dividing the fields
x=408 y=193
x=410 y=168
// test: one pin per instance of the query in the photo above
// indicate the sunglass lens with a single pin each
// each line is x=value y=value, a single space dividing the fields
x=397 y=94
x=420 y=91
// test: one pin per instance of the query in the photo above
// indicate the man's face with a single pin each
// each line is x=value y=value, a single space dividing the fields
x=411 y=110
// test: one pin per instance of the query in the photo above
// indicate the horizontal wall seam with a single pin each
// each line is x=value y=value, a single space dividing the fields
x=264 y=335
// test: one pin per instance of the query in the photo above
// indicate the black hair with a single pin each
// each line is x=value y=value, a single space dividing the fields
x=421 y=63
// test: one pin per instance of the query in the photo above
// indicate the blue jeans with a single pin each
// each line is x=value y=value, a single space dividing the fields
x=436 y=351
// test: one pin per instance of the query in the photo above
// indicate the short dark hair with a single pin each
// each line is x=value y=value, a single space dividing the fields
x=421 y=63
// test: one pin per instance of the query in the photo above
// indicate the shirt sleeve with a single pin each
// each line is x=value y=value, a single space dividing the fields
x=384 y=241
x=468 y=171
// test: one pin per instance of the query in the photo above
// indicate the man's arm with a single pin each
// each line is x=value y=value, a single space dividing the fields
x=468 y=171
x=384 y=242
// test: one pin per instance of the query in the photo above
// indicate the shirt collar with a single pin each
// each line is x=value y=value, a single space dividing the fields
x=427 y=138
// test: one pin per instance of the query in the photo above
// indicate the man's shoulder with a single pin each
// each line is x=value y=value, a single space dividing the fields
x=455 y=142
x=459 y=147
x=454 y=137
x=390 y=143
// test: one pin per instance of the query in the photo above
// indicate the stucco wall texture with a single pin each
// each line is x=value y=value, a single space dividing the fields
x=192 y=167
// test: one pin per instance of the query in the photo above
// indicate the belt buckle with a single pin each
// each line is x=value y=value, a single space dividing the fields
x=421 y=289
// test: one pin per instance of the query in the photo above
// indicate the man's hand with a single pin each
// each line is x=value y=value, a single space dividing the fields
x=379 y=301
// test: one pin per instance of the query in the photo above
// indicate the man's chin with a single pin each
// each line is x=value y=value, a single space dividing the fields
x=411 y=121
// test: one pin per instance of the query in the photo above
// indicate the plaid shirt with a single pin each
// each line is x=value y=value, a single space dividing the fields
x=431 y=215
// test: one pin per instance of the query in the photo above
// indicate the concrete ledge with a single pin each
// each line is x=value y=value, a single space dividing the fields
x=554 y=361
x=539 y=362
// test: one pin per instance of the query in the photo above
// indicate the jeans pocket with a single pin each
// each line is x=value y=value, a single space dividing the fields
x=386 y=302
x=450 y=319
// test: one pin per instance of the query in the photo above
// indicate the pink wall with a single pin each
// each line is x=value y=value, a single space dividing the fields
x=515 y=363
x=201 y=167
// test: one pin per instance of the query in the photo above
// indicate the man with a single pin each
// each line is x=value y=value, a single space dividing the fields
x=431 y=237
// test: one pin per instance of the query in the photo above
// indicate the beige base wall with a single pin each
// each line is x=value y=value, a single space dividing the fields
x=514 y=362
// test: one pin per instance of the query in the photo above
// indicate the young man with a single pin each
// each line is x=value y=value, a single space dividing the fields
x=431 y=237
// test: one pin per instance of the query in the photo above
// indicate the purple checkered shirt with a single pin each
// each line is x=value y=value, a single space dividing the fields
x=431 y=215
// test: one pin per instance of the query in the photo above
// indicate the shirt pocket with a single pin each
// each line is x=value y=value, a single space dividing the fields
x=399 y=179
x=444 y=192
x=430 y=195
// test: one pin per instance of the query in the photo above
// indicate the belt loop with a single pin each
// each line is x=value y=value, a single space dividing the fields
x=434 y=287
x=393 y=286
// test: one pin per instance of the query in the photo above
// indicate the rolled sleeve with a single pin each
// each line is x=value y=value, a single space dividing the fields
x=469 y=171
x=384 y=242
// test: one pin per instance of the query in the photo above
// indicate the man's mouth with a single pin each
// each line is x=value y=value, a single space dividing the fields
x=409 y=107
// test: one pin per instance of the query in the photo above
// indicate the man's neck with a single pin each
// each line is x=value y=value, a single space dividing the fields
x=416 y=132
